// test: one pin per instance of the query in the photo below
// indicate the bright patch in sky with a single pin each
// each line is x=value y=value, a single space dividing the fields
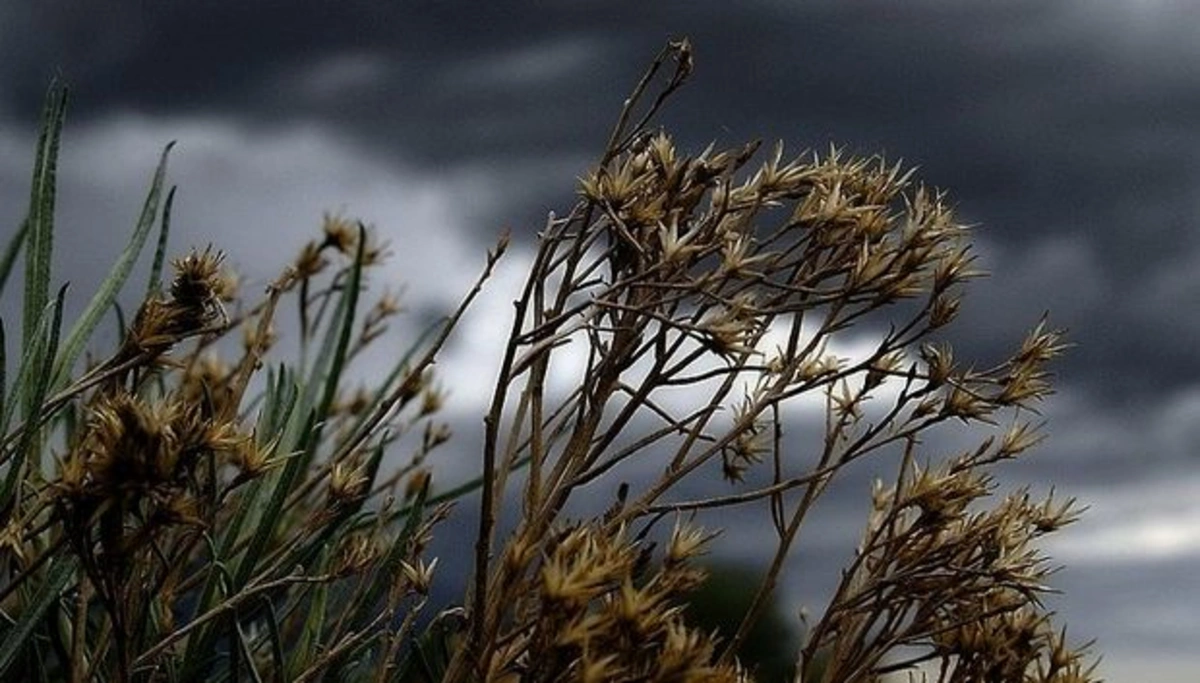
x=259 y=195
x=1150 y=521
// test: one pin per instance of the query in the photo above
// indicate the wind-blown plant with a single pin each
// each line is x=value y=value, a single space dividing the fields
x=172 y=515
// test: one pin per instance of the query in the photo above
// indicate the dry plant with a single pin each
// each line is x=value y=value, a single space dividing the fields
x=169 y=515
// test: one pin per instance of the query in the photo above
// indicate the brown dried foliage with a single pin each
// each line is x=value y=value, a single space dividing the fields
x=728 y=284
x=702 y=296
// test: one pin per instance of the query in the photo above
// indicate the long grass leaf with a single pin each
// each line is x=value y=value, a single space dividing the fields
x=27 y=367
x=397 y=374
x=269 y=519
x=112 y=284
x=272 y=619
x=46 y=342
x=199 y=651
x=346 y=326
x=384 y=577
x=314 y=624
x=371 y=469
x=31 y=364
x=258 y=545
x=322 y=374
x=246 y=650
x=41 y=210
x=16 y=638
x=154 y=285
x=309 y=384
x=3 y=379
x=10 y=253
x=281 y=400
x=314 y=386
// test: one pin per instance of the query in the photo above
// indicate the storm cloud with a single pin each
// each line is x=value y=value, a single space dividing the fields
x=1068 y=131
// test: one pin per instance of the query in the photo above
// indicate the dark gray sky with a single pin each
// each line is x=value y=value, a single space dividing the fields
x=1068 y=130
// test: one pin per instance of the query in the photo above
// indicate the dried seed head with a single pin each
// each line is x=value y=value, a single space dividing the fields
x=943 y=310
x=198 y=283
x=12 y=541
x=340 y=234
x=182 y=508
x=817 y=365
x=1041 y=345
x=686 y=543
x=374 y=251
x=432 y=399
x=880 y=368
x=597 y=669
x=130 y=444
x=359 y=401
x=745 y=451
x=254 y=460
x=203 y=377
x=309 y=262
x=677 y=250
x=436 y=434
x=966 y=405
x=1019 y=438
x=359 y=552
x=388 y=305
x=939 y=362
x=953 y=267
x=73 y=476
x=417 y=482
x=347 y=482
x=419 y=575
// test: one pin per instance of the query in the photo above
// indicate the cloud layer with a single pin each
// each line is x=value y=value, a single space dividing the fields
x=1069 y=130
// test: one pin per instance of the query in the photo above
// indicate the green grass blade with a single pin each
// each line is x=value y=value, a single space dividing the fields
x=119 y=320
x=281 y=402
x=320 y=383
x=345 y=327
x=373 y=596
x=368 y=601
x=309 y=385
x=301 y=423
x=371 y=469
x=108 y=290
x=216 y=583
x=258 y=546
x=398 y=374
x=246 y=652
x=31 y=364
x=3 y=380
x=10 y=254
x=307 y=648
x=272 y=619
x=41 y=210
x=271 y=514
x=154 y=285
x=323 y=377
x=45 y=344
x=16 y=638
x=27 y=367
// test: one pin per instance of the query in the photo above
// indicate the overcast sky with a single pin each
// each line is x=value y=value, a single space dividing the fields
x=1068 y=131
